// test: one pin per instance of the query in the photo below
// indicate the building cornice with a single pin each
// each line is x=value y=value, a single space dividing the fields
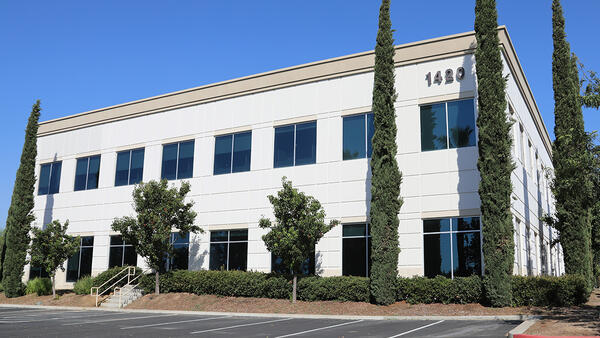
x=421 y=51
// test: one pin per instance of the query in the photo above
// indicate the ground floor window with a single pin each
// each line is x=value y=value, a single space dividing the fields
x=229 y=250
x=452 y=247
x=80 y=264
x=356 y=250
x=35 y=272
x=121 y=253
x=181 y=252
x=307 y=268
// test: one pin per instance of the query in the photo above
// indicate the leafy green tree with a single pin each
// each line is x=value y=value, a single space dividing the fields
x=594 y=149
x=298 y=227
x=51 y=247
x=590 y=97
x=495 y=163
x=571 y=185
x=159 y=210
x=20 y=215
x=386 y=177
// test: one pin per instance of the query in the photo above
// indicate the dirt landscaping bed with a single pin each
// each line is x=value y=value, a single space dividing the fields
x=64 y=299
x=192 y=302
x=572 y=321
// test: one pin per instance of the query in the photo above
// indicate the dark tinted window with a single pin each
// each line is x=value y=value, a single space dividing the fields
x=80 y=264
x=185 y=167
x=356 y=250
x=169 y=162
x=354 y=138
x=436 y=225
x=467 y=254
x=181 y=250
x=370 y=132
x=222 y=163
x=87 y=173
x=122 y=174
x=242 y=146
x=178 y=160
x=284 y=147
x=306 y=143
x=433 y=127
x=137 y=166
x=461 y=124
x=130 y=167
x=229 y=250
x=49 y=178
x=437 y=255
x=121 y=253
x=307 y=268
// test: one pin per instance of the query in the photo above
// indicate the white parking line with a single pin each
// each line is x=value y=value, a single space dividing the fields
x=319 y=329
x=181 y=321
x=241 y=325
x=115 y=319
x=36 y=314
x=26 y=321
x=417 y=329
x=22 y=311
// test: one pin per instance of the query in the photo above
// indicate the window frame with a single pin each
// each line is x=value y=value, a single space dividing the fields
x=445 y=103
x=81 y=246
x=162 y=163
x=51 y=164
x=171 y=259
x=123 y=246
x=87 y=173
x=233 y=136
x=366 y=123
x=451 y=232
x=130 y=151
x=228 y=242
x=367 y=238
x=295 y=143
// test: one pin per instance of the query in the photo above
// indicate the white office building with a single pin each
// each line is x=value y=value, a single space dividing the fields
x=234 y=140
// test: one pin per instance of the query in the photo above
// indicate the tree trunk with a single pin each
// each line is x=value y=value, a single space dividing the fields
x=53 y=287
x=156 y=288
x=294 y=288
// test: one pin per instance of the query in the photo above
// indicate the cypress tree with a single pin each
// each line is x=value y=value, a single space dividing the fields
x=495 y=162
x=20 y=216
x=571 y=185
x=386 y=179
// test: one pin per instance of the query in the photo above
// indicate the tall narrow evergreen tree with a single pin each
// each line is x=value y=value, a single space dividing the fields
x=386 y=179
x=571 y=185
x=495 y=162
x=20 y=216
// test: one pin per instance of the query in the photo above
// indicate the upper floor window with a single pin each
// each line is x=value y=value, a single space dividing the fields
x=232 y=153
x=178 y=160
x=358 y=133
x=452 y=247
x=130 y=167
x=448 y=125
x=87 y=173
x=295 y=145
x=49 y=178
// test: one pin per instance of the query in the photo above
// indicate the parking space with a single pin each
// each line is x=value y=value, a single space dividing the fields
x=18 y=322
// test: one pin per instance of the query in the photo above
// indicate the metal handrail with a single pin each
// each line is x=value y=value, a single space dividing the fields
x=97 y=288
x=120 y=289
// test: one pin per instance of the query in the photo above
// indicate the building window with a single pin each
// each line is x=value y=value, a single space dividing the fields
x=229 y=250
x=87 y=173
x=37 y=272
x=232 y=153
x=130 y=167
x=522 y=143
x=452 y=247
x=178 y=160
x=295 y=145
x=80 y=264
x=181 y=251
x=358 y=133
x=356 y=250
x=121 y=253
x=307 y=268
x=526 y=251
x=49 y=178
x=448 y=125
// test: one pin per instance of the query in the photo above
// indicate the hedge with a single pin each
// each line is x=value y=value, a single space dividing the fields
x=39 y=286
x=341 y=288
x=83 y=285
x=460 y=290
x=565 y=290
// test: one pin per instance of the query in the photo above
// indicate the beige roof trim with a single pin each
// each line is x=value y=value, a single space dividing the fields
x=426 y=50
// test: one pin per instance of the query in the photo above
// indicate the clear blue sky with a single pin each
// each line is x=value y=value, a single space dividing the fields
x=81 y=55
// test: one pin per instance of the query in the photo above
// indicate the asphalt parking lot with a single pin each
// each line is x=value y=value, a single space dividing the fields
x=32 y=322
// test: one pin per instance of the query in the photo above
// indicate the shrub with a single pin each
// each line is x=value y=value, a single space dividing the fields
x=461 y=290
x=83 y=285
x=341 y=288
x=110 y=273
x=39 y=286
x=565 y=290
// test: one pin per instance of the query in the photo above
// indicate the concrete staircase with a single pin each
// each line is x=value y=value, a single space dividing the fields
x=129 y=294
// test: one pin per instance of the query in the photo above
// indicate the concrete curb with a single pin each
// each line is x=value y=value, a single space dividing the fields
x=522 y=327
x=275 y=315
